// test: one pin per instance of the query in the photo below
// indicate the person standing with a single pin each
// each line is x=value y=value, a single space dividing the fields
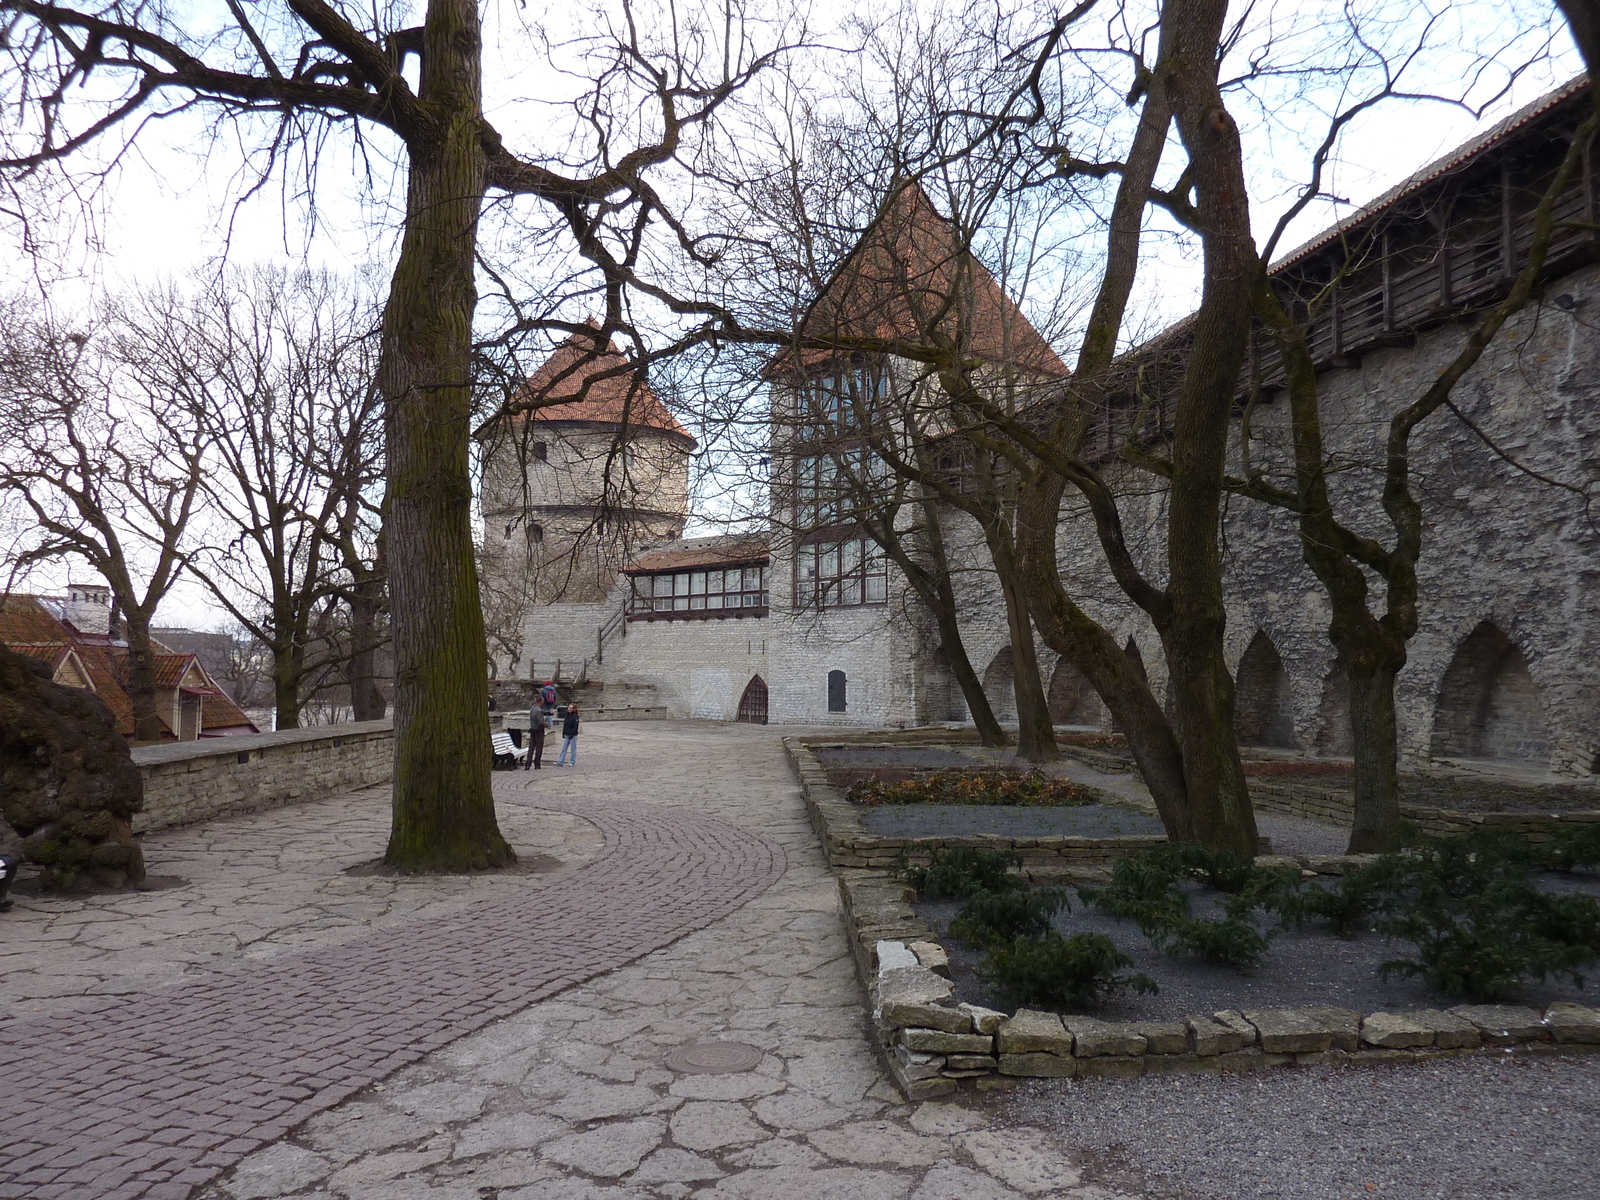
x=547 y=702
x=535 y=737
x=569 y=736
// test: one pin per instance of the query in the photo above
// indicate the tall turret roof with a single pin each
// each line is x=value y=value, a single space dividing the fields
x=911 y=268
x=620 y=399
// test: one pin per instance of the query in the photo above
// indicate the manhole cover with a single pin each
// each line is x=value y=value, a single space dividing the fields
x=713 y=1058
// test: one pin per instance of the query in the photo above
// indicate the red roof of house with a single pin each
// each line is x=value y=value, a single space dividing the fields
x=27 y=627
x=24 y=621
x=721 y=551
x=909 y=272
x=622 y=399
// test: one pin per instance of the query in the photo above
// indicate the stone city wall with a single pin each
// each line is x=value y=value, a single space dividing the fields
x=186 y=782
x=1506 y=661
x=698 y=667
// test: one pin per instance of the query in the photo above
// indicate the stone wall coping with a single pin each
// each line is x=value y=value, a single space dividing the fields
x=224 y=747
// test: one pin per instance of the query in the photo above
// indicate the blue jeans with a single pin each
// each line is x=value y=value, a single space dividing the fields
x=568 y=743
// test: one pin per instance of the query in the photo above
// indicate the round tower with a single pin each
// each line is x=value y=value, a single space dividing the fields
x=595 y=470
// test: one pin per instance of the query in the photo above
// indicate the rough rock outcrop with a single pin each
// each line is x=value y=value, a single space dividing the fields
x=67 y=783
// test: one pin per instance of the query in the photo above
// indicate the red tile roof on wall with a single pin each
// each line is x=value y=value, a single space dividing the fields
x=621 y=399
x=730 y=549
x=1490 y=138
x=903 y=271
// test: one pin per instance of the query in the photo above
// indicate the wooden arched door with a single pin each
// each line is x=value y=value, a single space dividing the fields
x=753 y=704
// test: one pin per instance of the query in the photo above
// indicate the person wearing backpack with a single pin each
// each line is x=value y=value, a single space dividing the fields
x=536 y=725
x=569 y=737
x=547 y=702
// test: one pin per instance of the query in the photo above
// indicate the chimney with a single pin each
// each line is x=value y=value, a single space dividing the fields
x=88 y=607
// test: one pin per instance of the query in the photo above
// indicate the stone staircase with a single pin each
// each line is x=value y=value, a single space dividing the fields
x=619 y=701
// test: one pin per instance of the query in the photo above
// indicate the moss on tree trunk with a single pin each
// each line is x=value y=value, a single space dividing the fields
x=444 y=816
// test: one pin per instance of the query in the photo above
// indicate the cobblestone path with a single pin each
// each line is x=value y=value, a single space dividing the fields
x=157 y=1093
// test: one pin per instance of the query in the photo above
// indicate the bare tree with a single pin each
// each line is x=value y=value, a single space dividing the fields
x=277 y=368
x=103 y=486
x=292 y=73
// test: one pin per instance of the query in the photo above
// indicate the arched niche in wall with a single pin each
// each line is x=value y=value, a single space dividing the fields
x=1000 y=686
x=1489 y=703
x=941 y=694
x=1263 y=709
x=1071 y=698
x=1137 y=659
x=1333 y=713
x=753 y=704
x=1131 y=651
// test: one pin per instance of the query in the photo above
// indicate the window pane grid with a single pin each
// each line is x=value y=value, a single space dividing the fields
x=700 y=591
x=841 y=574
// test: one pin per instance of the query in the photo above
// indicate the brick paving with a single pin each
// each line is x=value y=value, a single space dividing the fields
x=159 y=1093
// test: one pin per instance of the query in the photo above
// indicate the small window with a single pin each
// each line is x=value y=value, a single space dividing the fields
x=536 y=534
x=541 y=451
x=836 y=691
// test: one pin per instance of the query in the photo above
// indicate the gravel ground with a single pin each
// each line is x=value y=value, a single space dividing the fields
x=1294 y=835
x=1475 y=1128
x=1301 y=970
x=1005 y=820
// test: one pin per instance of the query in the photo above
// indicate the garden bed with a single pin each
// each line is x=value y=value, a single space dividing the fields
x=1314 y=998
x=936 y=1042
x=1302 y=969
x=850 y=841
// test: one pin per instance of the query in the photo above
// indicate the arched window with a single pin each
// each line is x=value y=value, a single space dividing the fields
x=836 y=691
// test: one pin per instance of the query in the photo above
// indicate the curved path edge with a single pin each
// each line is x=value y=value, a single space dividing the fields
x=162 y=1092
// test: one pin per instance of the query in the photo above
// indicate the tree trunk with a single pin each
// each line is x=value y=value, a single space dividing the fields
x=366 y=700
x=1036 y=737
x=934 y=590
x=1377 y=827
x=286 y=672
x=1082 y=641
x=141 y=683
x=1219 y=799
x=443 y=806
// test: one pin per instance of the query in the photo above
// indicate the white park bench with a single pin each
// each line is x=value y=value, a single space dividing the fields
x=506 y=752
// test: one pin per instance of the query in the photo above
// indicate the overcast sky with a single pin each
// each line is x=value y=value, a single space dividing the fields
x=171 y=205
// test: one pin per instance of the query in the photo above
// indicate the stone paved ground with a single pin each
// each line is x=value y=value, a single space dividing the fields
x=255 y=887
x=561 y=1098
x=567 y=1098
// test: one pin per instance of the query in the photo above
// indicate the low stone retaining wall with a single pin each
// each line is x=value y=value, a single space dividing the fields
x=935 y=1046
x=186 y=782
x=848 y=844
x=1334 y=806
